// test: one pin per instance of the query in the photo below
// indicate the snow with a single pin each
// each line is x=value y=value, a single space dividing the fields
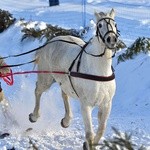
x=131 y=104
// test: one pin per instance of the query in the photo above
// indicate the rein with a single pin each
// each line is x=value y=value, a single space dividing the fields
x=17 y=65
x=36 y=49
x=72 y=74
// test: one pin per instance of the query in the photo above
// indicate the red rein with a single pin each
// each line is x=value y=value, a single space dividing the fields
x=8 y=78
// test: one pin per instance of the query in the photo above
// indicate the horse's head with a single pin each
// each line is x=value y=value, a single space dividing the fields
x=106 y=28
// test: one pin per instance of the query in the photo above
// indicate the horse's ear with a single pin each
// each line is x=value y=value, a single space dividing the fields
x=97 y=15
x=112 y=13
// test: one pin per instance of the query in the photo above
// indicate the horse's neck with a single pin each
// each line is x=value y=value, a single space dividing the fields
x=99 y=65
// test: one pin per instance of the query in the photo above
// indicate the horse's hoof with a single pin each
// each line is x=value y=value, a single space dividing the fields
x=85 y=146
x=32 y=118
x=63 y=125
x=2 y=136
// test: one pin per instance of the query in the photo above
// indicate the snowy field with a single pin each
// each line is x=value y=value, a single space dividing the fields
x=131 y=104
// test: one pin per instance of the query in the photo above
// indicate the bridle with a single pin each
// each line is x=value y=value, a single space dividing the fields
x=102 y=37
x=99 y=34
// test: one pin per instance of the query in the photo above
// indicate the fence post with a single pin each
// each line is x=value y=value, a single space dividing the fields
x=53 y=2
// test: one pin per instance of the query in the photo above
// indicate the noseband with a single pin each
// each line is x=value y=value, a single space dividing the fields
x=107 y=20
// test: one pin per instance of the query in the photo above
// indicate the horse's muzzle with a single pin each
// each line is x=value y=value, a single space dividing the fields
x=111 y=40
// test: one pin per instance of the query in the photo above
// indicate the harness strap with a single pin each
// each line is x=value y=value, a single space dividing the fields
x=70 y=68
x=72 y=64
x=36 y=49
x=78 y=65
x=93 y=77
x=72 y=85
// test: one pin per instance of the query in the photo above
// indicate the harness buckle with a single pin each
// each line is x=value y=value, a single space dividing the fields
x=69 y=73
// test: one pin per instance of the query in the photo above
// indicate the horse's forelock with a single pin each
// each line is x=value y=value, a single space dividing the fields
x=102 y=14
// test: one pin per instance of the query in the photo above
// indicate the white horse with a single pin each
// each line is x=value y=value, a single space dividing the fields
x=88 y=62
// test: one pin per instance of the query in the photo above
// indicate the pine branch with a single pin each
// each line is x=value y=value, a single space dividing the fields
x=141 y=45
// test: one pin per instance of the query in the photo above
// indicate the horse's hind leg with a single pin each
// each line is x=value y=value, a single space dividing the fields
x=43 y=83
x=65 y=122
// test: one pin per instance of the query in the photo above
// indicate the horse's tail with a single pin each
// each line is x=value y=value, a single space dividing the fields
x=38 y=54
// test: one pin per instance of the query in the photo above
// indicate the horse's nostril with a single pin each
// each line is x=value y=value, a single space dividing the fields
x=108 y=39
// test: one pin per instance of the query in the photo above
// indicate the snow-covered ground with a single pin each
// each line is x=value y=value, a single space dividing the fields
x=131 y=104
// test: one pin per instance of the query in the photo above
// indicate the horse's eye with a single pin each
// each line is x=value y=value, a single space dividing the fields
x=100 y=25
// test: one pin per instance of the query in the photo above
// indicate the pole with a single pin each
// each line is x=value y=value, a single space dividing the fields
x=84 y=12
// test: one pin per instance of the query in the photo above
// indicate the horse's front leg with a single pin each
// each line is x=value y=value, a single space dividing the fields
x=89 y=134
x=103 y=114
x=65 y=122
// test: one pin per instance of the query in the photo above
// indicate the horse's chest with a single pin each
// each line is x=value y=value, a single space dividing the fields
x=94 y=92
